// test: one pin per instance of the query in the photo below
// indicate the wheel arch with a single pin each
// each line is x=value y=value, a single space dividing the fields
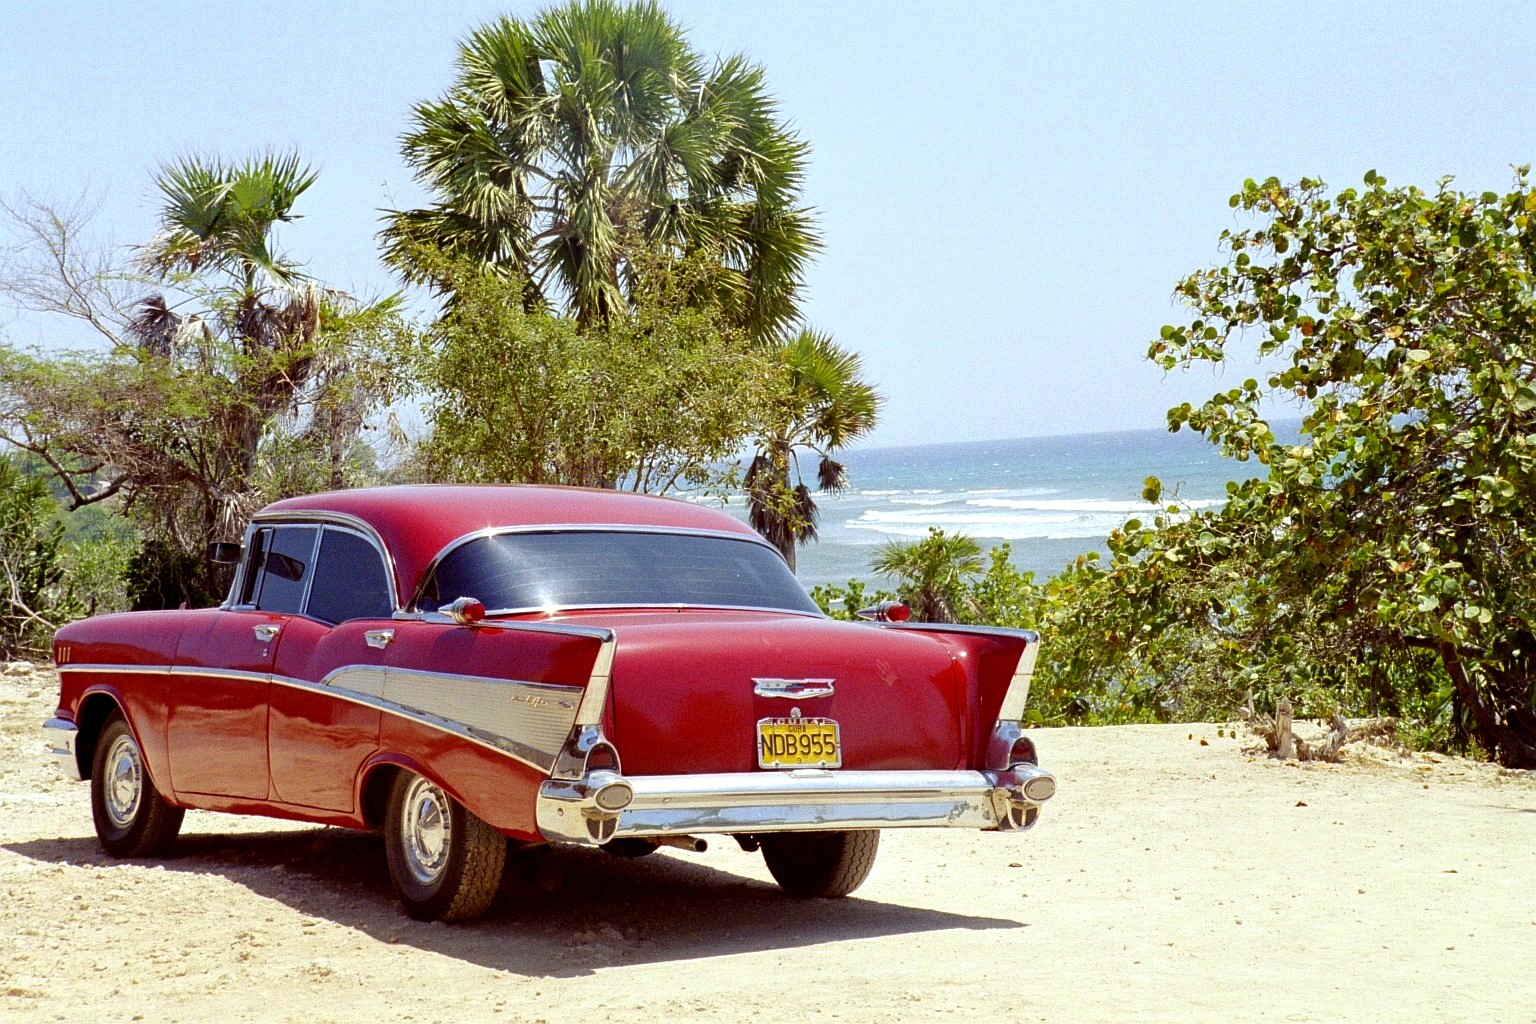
x=96 y=707
x=378 y=777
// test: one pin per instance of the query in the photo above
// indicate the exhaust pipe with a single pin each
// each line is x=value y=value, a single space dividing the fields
x=693 y=844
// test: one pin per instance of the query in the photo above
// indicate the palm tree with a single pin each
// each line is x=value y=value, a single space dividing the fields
x=932 y=573
x=826 y=407
x=264 y=331
x=574 y=138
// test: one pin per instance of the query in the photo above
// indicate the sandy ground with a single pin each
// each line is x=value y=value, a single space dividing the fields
x=1169 y=880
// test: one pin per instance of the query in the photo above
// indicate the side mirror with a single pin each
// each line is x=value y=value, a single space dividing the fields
x=223 y=552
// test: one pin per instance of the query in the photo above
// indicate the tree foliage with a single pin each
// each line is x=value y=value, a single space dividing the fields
x=218 y=350
x=658 y=396
x=1386 y=561
x=573 y=139
x=934 y=574
x=823 y=406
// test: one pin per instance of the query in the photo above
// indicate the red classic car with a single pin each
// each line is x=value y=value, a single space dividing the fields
x=461 y=666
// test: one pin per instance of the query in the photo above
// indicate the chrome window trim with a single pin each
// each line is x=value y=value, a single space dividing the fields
x=678 y=531
x=340 y=520
x=245 y=547
x=389 y=577
x=314 y=565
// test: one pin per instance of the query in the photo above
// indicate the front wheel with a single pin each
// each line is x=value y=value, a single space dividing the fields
x=132 y=818
x=820 y=863
x=446 y=863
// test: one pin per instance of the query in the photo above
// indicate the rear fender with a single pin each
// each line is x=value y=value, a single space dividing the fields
x=1000 y=664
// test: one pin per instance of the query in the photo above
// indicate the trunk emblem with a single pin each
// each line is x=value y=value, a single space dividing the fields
x=794 y=689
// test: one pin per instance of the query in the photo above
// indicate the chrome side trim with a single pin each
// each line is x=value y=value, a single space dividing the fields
x=526 y=721
x=1018 y=687
x=586 y=735
x=595 y=698
x=61 y=734
x=496 y=531
x=1027 y=635
x=672 y=606
x=217 y=673
x=801 y=800
x=598 y=633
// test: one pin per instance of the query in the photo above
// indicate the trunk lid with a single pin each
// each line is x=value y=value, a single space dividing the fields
x=689 y=688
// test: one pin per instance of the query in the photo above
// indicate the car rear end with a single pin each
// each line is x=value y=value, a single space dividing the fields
x=755 y=723
x=721 y=700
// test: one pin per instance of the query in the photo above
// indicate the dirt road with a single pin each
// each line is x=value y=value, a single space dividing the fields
x=1168 y=881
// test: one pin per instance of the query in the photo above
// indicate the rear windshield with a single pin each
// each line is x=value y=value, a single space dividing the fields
x=573 y=569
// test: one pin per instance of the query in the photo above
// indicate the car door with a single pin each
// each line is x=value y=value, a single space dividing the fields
x=216 y=731
x=322 y=726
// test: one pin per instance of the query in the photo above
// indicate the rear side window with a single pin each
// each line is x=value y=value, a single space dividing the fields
x=282 y=564
x=350 y=580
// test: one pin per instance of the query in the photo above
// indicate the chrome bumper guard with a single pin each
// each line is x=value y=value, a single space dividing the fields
x=604 y=805
x=60 y=734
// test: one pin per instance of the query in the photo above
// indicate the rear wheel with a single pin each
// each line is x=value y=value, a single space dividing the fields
x=446 y=863
x=820 y=863
x=132 y=818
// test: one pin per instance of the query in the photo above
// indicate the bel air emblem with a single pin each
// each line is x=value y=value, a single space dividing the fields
x=795 y=689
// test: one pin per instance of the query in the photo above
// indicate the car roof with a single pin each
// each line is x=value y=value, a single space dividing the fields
x=416 y=521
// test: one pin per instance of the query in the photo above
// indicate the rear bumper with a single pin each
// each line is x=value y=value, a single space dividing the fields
x=604 y=805
x=60 y=734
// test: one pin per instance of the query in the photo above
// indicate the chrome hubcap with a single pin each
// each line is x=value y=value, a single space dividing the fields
x=426 y=822
x=124 y=784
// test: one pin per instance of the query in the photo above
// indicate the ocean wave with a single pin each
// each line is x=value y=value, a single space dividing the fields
x=1089 y=505
x=1015 y=520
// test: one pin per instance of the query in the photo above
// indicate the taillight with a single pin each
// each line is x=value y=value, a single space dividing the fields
x=466 y=611
x=1023 y=752
x=886 y=611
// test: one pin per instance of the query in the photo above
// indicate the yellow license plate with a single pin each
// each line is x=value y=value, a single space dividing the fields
x=798 y=743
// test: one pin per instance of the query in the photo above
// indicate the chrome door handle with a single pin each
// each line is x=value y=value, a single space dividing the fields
x=378 y=638
x=266 y=634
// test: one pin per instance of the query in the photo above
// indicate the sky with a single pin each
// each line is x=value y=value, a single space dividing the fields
x=1007 y=192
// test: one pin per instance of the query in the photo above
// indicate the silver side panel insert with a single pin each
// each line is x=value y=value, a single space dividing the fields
x=524 y=720
x=531 y=720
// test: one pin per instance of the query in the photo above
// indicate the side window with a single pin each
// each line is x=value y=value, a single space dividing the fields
x=250 y=575
x=283 y=567
x=350 y=580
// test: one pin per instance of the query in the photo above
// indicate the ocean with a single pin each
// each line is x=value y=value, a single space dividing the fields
x=1052 y=498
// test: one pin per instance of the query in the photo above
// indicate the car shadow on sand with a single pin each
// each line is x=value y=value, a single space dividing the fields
x=607 y=911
